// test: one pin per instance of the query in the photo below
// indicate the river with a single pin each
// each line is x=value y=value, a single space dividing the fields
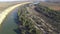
x=9 y=24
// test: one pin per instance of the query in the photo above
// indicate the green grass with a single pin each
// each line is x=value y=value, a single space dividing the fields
x=27 y=24
x=52 y=14
x=55 y=15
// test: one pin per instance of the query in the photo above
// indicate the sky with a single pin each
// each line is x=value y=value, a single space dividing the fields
x=13 y=0
x=20 y=0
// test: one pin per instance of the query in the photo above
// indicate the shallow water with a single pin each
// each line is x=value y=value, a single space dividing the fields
x=9 y=24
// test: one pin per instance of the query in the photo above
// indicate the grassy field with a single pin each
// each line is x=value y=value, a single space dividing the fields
x=51 y=5
x=4 y=5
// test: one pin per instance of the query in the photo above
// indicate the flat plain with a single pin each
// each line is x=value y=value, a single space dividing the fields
x=51 y=5
x=5 y=5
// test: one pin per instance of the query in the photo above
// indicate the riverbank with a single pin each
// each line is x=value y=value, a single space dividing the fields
x=8 y=10
x=9 y=25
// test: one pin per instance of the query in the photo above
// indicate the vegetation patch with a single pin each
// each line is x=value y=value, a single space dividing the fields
x=26 y=25
x=51 y=14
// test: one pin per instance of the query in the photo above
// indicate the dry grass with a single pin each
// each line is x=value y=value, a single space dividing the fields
x=4 y=5
x=54 y=6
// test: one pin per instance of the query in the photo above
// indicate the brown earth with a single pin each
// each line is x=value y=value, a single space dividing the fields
x=4 y=5
x=51 y=5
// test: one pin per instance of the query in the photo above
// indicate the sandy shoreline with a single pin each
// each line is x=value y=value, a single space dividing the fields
x=8 y=10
